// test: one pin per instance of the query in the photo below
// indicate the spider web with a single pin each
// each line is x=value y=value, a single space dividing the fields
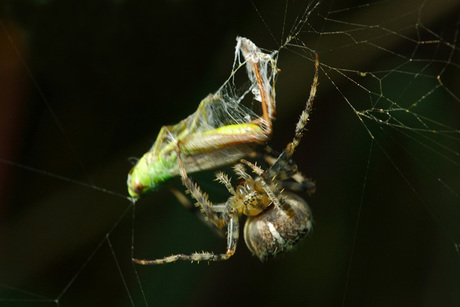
x=88 y=84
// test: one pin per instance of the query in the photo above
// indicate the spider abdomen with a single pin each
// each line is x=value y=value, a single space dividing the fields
x=273 y=231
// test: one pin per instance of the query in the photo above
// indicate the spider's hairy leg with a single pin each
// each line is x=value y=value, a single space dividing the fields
x=241 y=172
x=232 y=240
x=202 y=198
x=223 y=179
x=306 y=112
x=287 y=153
x=300 y=184
x=220 y=208
x=184 y=201
x=255 y=168
x=228 y=216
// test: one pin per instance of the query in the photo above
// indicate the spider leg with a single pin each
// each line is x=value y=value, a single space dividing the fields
x=241 y=172
x=301 y=183
x=223 y=179
x=256 y=169
x=189 y=206
x=196 y=211
x=289 y=170
x=287 y=153
x=232 y=240
x=202 y=198
x=227 y=216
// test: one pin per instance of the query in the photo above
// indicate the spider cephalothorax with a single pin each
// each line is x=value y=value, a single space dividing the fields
x=273 y=225
x=246 y=197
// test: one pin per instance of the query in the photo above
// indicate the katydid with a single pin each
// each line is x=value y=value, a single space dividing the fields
x=222 y=130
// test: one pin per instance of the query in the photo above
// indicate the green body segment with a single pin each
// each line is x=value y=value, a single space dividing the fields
x=201 y=151
x=148 y=174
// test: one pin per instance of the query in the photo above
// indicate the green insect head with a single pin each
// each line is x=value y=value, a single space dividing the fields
x=147 y=175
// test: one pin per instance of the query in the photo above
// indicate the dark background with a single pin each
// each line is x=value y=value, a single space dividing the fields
x=85 y=85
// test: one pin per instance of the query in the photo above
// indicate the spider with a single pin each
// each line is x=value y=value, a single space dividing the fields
x=276 y=219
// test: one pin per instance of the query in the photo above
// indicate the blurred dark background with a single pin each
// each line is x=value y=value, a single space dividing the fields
x=85 y=85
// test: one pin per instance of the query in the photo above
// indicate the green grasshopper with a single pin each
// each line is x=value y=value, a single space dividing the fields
x=221 y=131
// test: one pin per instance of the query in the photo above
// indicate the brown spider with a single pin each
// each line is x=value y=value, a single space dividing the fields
x=277 y=219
